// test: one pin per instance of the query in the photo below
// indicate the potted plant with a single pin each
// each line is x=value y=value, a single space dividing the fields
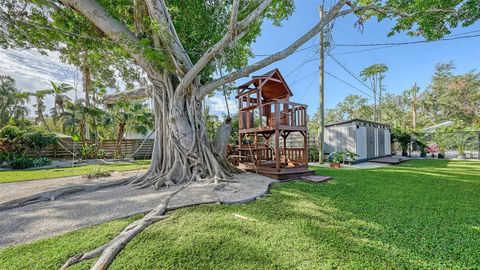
x=337 y=159
x=441 y=140
x=432 y=149
x=461 y=144
x=422 y=148
x=441 y=152
x=403 y=138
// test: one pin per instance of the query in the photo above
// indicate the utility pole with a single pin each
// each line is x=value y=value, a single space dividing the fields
x=414 y=106
x=321 y=130
x=380 y=98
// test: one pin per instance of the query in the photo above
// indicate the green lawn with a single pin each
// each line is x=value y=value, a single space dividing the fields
x=36 y=174
x=419 y=215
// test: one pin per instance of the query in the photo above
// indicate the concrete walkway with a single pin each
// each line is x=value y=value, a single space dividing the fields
x=45 y=219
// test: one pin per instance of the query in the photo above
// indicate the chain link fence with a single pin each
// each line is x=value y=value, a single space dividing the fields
x=459 y=144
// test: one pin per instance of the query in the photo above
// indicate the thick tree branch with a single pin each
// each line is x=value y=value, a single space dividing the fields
x=332 y=14
x=137 y=94
x=158 y=11
x=234 y=29
x=114 y=29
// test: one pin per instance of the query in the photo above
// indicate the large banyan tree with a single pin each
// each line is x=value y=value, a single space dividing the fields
x=174 y=42
x=179 y=45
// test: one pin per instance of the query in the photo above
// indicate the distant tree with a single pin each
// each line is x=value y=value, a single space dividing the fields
x=375 y=74
x=75 y=118
x=59 y=92
x=40 y=105
x=125 y=115
x=353 y=106
x=452 y=97
x=12 y=101
x=212 y=121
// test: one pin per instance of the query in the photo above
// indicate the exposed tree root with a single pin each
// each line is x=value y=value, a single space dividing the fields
x=55 y=194
x=108 y=251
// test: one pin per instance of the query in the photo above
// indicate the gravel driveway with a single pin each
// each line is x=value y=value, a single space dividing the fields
x=44 y=219
x=15 y=190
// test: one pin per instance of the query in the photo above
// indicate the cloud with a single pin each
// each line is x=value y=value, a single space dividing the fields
x=218 y=106
x=34 y=71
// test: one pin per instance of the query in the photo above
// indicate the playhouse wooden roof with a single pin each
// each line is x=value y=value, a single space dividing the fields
x=272 y=85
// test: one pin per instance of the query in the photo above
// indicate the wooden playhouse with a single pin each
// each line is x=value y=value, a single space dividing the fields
x=266 y=120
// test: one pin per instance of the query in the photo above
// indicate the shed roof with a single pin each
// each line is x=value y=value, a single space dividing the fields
x=272 y=83
x=357 y=120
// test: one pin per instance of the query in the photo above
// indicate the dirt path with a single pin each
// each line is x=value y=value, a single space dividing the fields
x=44 y=219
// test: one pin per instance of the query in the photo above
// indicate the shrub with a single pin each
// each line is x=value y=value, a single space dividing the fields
x=313 y=154
x=12 y=143
x=10 y=132
x=101 y=153
x=87 y=151
x=402 y=137
x=21 y=163
x=38 y=140
x=98 y=172
x=43 y=161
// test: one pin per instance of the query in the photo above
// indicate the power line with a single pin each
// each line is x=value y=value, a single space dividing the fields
x=309 y=85
x=392 y=44
x=349 y=72
x=306 y=76
x=299 y=68
x=364 y=50
x=389 y=45
x=407 y=42
x=347 y=83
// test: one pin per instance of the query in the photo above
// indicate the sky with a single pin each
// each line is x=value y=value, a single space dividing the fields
x=407 y=63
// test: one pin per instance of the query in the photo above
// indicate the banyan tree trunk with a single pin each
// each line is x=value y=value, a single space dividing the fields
x=182 y=151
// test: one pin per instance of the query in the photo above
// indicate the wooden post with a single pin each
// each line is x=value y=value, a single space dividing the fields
x=55 y=150
x=277 y=113
x=277 y=149
x=255 y=139
x=305 y=148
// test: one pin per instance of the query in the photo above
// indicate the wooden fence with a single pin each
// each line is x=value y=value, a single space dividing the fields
x=130 y=149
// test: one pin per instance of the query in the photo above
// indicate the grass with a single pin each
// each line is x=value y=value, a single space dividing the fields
x=37 y=174
x=418 y=215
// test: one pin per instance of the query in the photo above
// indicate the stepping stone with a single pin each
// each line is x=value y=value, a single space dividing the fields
x=316 y=178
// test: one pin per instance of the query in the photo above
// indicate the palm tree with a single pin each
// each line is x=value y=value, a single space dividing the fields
x=40 y=106
x=126 y=115
x=74 y=119
x=60 y=98
x=12 y=101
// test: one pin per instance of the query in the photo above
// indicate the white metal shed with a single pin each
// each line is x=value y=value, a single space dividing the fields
x=367 y=139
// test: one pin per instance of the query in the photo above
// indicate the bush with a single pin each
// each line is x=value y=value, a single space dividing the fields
x=21 y=163
x=101 y=153
x=43 y=161
x=98 y=172
x=38 y=140
x=403 y=137
x=12 y=143
x=87 y=151
x=313 y=154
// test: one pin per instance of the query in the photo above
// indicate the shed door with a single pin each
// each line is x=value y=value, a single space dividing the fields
x=370 y=142
x=381 y=142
